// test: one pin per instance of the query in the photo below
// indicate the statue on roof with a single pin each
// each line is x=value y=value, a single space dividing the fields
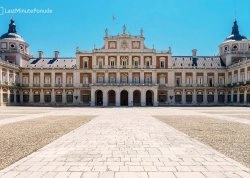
x=141 y=32
x=12 y=26
x=124 y=29
x=235 y=28
x=106 y=32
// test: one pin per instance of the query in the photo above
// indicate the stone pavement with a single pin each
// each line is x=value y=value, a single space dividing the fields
x=126 y=143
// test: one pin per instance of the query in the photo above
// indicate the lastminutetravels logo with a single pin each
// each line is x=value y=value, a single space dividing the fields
x=4 y=10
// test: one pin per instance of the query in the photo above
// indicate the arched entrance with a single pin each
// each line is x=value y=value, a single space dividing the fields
x=124 y=98
x=137 y=98
x=149 y=98
x=111 y=98
x=99 y=98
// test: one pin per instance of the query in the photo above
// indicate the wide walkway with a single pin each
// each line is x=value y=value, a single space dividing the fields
x=126 y=143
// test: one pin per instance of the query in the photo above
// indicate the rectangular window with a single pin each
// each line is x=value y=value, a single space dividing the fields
x=162 y=80
x=58 y=98
x=100 y=64
x=69 y=98
x=85 y=64
x=136 y=64
x=178 y=82
x=47 y=80
x=47 y=98
x=124 y=64
x=112 y=64
x=162 y=64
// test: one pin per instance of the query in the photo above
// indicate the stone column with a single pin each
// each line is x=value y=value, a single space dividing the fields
x=183 y=97
x=226 y=78
x=155 y=97
x=245 y=96
x=130 y=61
x=106 y=77
x=130 y=97
x=246 y=74
x=216 y=96
x=31 y=78
x=232 y=96
x=92 y=97
x=142 y=61
x=143 y=97
x=118 y=77
x=130 y=80
x=142 y=77
x=14 y=96
x=117 y=98
x=105 y=97
x=42 y=79
x=171 y=79
x=31 y=96
x=106 y=63
x=64 y=79
x=53 y=79
x=205 y=79
x=1 y=96
x=118 y=61
x=64 y=97
x=194 y=97
x=216 y=78
x=8 y=93
x=238 y=75
x=1 y=78
x=53 y=99
x=154 y=77
x=238 y=95
x=183 y=79
x=42 y=96
x=194 y=79
x=205 y=96
x=8 y=76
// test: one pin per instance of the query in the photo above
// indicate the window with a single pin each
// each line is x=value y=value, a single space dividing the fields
x=124 y=64
x=210 y=82
x=189 y=81
x=136 y=64
x=147 y=64
x=221 y=81
x=47 y=98
x=36 y=80
x=25 y=80
x=26 y=98
x=136 y=79
x=100 y=79
x=58 y=98
x=47 y=80
x=58 y=80
x=124 y=79
x=69 y=98
x=112 y=64
x=178 y=81
x=162 y=64
x=199 y=80
x=242 y=76
x=36 y=97
x=69 y=80
x=162 y=80
x=148 y=79
x=112 y=79
x=100 y=64
x=85 y=64
x=85 y=80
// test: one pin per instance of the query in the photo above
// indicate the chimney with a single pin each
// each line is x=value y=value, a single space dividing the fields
x=40 y=54
x=194 y=52
x=56 y=54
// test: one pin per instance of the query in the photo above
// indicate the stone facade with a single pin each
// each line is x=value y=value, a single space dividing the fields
x=124 y=72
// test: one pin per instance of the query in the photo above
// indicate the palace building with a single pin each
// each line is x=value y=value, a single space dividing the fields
x=124 y=72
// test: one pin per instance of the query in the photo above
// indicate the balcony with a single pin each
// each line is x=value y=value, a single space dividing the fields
x=36 y=85
x=47 y=85
x=124 y=84
x=58 y=85
x=69 y=85
x=85 y=85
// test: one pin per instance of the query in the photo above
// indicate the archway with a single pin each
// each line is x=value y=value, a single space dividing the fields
x=124 y=98
x=137 y=98
x=99 y=98
x=149 y=98
x=111 y=98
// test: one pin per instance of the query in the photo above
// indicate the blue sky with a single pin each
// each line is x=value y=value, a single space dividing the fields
x=181 y=24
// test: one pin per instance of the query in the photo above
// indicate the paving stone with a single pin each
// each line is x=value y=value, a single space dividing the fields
x=133 y=144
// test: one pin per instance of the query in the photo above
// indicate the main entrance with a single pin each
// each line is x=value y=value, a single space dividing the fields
x=111 y=98
x=137 y=98
x=124 y=98
x=149 y=98
x=99 y=98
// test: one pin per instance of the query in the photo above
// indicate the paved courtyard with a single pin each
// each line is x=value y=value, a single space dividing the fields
x=126 y=142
